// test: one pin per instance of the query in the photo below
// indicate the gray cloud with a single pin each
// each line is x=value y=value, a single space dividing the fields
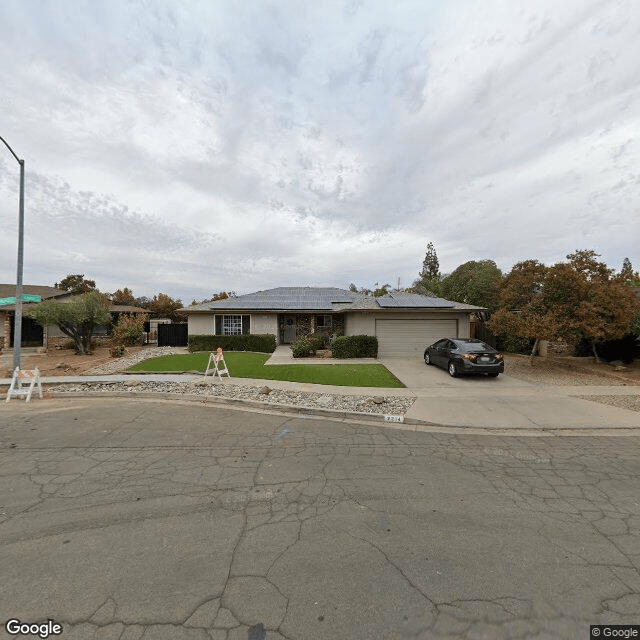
x=195 y=146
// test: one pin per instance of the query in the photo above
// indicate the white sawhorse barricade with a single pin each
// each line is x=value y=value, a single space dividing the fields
x=23 y=383
x=219 y=365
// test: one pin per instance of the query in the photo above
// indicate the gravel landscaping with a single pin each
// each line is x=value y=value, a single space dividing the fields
x=548 y=372
x=384 y=405
x=118 y=365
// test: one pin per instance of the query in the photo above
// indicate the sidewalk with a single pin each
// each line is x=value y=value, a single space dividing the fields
x=528 y=407
x=283 y=355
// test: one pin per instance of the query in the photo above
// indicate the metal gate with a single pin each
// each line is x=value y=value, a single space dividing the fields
x=173 y=335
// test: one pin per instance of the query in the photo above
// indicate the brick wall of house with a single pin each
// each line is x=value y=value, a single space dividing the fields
x=5 y=325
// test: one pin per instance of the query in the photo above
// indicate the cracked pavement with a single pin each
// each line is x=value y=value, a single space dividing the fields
x=148 y=520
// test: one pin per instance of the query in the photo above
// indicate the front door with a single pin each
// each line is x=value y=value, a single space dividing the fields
x=289 y=330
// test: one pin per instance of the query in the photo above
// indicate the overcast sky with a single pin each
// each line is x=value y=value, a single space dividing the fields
x=191 y=147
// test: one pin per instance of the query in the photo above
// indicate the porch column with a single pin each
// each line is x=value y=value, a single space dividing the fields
x=313 y=324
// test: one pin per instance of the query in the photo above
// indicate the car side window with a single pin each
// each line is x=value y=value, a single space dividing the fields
x=451 y=345
x=439 y=344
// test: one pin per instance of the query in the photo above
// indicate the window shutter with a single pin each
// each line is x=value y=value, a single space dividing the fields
x=245 y=325
x=218 y=325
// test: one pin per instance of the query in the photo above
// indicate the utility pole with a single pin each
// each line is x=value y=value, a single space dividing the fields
x=17 y=326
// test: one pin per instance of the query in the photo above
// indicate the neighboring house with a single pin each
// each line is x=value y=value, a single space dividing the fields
x=54 y=336
x=403 y=323
x=33 y=335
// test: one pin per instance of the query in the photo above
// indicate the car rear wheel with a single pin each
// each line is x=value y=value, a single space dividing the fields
x=453 y=370
x=427 y=358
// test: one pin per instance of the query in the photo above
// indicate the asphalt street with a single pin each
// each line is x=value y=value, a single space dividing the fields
x=148 y=520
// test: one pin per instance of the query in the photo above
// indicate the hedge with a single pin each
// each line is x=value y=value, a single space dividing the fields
x=260 y=342
x=354 y=347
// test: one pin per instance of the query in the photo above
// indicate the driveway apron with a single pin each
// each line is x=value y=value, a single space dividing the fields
x=503 y=402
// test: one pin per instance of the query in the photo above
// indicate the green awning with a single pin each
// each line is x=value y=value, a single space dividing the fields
x=26 y=297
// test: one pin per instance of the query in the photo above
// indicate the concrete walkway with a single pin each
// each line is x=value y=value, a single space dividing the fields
x=283 y=355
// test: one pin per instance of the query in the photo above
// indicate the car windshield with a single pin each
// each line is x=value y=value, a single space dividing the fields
x=476 y=345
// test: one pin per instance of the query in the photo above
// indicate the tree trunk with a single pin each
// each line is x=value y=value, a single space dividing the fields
x=74 y=335
x=534 y=350
x=595 y=353
x=85 y=338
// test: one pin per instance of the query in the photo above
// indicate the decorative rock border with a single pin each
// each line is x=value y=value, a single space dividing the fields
x=374 y=405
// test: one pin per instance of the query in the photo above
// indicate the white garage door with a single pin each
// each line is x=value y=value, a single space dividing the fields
x=410 y=337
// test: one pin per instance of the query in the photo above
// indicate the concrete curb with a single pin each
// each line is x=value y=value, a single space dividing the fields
x=371 y=419
x=191 y=372
x=238 y=402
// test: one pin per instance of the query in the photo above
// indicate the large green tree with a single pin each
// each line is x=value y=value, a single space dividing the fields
x=474 y=282
x=76 y=318
x=76 y=283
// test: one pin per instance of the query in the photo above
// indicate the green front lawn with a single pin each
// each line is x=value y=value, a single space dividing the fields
x=251 y=365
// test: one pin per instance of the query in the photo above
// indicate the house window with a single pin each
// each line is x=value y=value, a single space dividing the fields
x=232 y=325
x=323 y=321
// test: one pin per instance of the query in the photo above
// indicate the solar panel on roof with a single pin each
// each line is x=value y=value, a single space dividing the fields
x=287 y=298
x=414 y=301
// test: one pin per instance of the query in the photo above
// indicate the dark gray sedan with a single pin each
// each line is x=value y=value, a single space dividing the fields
x=464 y=356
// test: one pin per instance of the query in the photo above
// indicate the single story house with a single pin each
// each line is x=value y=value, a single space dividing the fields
x=35 y=335
x=403 y=323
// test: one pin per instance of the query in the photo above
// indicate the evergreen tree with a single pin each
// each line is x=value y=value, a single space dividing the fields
x=628 y=275
x=430 y=264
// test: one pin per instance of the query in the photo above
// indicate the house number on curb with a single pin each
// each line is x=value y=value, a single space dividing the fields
x=394 y=418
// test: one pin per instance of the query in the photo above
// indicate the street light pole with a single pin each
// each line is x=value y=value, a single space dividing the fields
x=17 y=326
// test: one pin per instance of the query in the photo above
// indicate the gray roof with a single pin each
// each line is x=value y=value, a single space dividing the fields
x=282 y=299
x=330 y=299
x=412 y=300
x=8 y=290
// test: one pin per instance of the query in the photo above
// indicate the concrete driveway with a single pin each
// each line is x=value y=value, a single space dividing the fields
x=146 y=520
x=506 y=402
x=415 y=374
